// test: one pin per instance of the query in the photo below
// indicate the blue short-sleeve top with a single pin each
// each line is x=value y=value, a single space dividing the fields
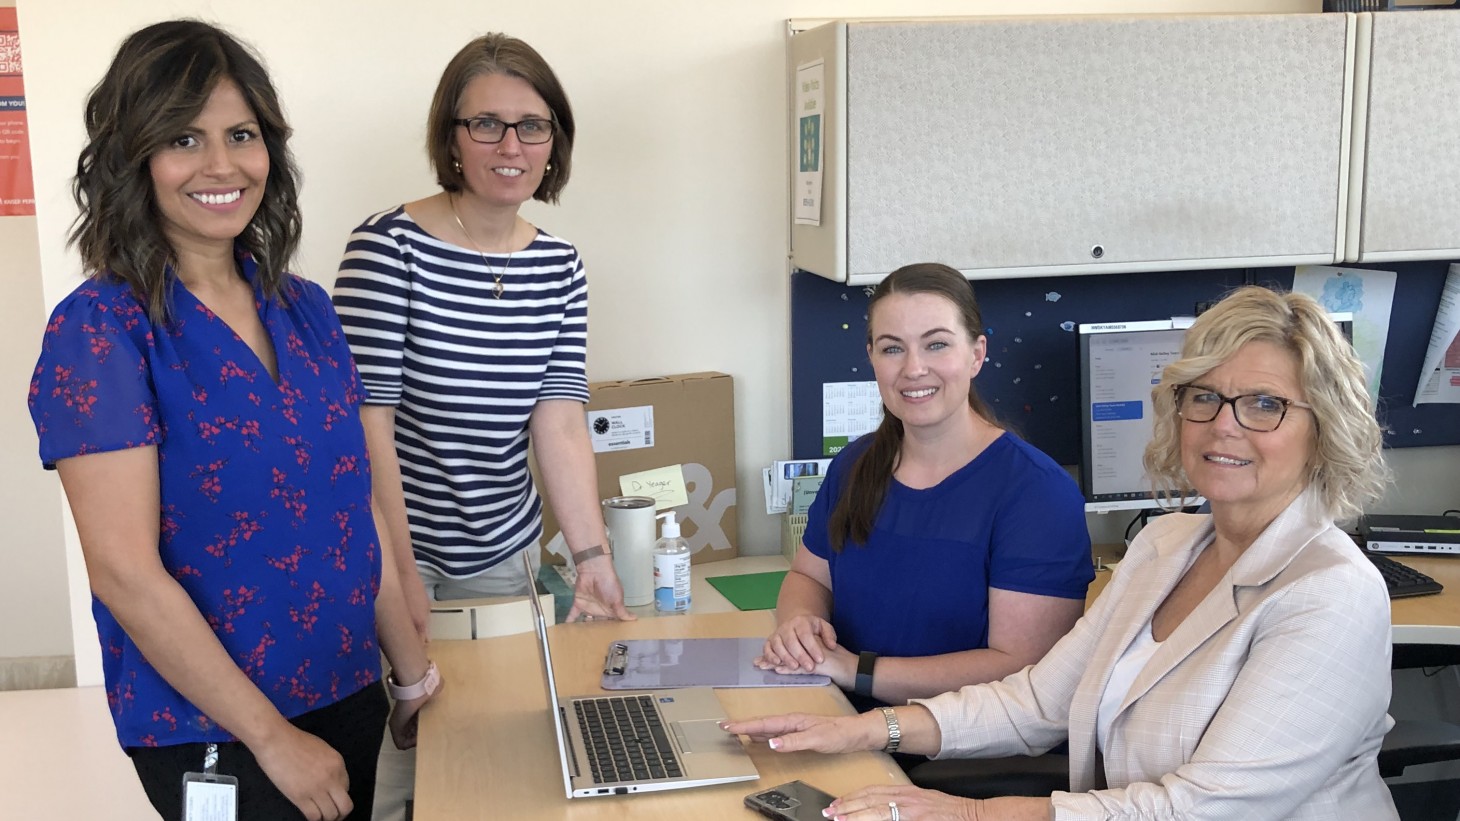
x=1011 y=518
x=265 y=518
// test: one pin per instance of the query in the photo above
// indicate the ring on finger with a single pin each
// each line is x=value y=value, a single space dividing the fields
x=896 y=814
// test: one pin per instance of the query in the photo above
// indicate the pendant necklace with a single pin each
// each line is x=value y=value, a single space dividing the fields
x=496 y=275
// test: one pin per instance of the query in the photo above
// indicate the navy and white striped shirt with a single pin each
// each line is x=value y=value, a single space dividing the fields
x=464 y=370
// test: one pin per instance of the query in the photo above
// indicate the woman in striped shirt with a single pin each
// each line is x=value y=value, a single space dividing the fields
x=469 y=326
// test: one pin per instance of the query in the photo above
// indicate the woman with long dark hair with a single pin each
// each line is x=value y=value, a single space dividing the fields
x=941 y=549
x=200 y=405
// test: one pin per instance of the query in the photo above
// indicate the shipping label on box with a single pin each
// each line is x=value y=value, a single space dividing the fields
x=621 y=428
x=645 y=424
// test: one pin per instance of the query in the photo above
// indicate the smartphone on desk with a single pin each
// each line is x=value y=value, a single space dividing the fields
x=792 y=801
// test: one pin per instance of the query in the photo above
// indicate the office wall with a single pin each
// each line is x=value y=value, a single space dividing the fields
x=33 y=607
x=35 y=640
x=678 y=199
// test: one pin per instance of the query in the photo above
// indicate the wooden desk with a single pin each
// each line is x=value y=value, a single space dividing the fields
x=487 y=749
x=1416 y=620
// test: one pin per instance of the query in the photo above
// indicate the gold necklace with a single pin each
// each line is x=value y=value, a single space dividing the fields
x=496 y=275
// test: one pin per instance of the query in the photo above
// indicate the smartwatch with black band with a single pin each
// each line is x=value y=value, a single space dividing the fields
x=865 y=662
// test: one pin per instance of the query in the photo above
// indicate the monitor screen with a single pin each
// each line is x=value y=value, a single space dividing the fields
x=1119 y=364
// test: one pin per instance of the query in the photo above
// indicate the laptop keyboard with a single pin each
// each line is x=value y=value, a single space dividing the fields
x=1402 y=579
x=626 y=739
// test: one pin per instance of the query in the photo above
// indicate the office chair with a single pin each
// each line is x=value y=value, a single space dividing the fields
x=1412 y=742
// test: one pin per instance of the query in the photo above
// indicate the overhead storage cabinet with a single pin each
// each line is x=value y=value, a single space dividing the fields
x=1410 y=147
x=1058 y=145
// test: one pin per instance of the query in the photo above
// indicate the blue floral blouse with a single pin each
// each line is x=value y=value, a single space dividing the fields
x=265 y=518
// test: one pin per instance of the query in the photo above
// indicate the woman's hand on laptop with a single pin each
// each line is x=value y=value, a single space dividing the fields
x=823 y=734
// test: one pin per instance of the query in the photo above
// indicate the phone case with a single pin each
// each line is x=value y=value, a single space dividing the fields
x=792 y=801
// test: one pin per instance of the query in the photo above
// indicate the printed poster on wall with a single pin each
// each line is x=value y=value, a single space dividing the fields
x=17 y=187
x=1368 y=295
x=1439 y=378
x=810 y=106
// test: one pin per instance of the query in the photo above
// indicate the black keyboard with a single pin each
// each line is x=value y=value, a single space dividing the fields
x=1403 y=580
x=626 y=739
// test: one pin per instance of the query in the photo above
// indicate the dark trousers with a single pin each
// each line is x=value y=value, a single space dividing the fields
x=353 y=726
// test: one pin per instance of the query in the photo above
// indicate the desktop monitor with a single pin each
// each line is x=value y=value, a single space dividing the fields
x=1119 y=364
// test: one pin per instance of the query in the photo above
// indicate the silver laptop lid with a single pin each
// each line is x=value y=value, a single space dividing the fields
x=547 y=673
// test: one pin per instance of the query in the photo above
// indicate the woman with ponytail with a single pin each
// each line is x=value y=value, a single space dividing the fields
x=941 y=550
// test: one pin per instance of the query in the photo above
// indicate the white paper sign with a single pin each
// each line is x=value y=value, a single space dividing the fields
x=810 y=132
x=848 y=410
x=621 y=428
x=1439 y=378
x=1368 y=295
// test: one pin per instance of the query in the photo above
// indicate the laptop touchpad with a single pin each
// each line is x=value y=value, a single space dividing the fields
x=704 y=736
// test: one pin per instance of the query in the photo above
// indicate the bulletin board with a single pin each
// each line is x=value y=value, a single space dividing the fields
x=1031 y=380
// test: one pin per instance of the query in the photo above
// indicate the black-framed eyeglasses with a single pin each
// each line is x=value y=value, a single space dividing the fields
x=530 y=131
x=1257 y=412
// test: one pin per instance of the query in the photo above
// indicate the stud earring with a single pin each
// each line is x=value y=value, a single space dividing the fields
x=456 y=165
x=549 y=166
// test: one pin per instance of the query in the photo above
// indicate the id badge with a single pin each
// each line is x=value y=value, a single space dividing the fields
x=209 y=796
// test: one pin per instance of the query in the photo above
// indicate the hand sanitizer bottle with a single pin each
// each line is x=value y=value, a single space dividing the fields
x=671 y=568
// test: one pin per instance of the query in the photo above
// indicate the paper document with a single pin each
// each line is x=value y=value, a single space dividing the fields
x=1368 y=295
x=1439 y=378
x=848 y=410
x=810 y=126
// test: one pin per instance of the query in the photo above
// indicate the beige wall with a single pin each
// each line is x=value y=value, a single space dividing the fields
x=678 y=199
x=34 y=619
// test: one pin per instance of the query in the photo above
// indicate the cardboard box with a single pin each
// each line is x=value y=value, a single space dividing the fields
x=643 y=424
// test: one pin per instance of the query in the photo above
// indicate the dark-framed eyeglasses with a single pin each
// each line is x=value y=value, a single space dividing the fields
x=1258 y=412
x=530 y=131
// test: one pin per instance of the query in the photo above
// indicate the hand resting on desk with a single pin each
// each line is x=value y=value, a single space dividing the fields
x=807 y=644
x=868 y=731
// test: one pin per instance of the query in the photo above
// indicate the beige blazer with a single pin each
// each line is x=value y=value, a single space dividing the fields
x=1268 y=701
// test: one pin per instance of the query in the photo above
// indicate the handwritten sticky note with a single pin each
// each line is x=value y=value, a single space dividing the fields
x=664 y=485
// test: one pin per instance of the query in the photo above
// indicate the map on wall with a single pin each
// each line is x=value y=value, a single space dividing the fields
x=1368 y=295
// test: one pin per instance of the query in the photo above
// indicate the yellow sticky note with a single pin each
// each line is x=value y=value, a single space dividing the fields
x=664 y=485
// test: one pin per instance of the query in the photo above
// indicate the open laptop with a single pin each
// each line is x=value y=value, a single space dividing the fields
x=646 y=741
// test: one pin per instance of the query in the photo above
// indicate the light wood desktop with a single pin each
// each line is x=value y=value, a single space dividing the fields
x=486 y=742
x=487 y=749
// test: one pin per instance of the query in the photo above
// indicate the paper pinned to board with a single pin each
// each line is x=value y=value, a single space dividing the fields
x=664 y=485
x=848 y=410
x=1369 y=296
x=1439 y=377
x=810 y=128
